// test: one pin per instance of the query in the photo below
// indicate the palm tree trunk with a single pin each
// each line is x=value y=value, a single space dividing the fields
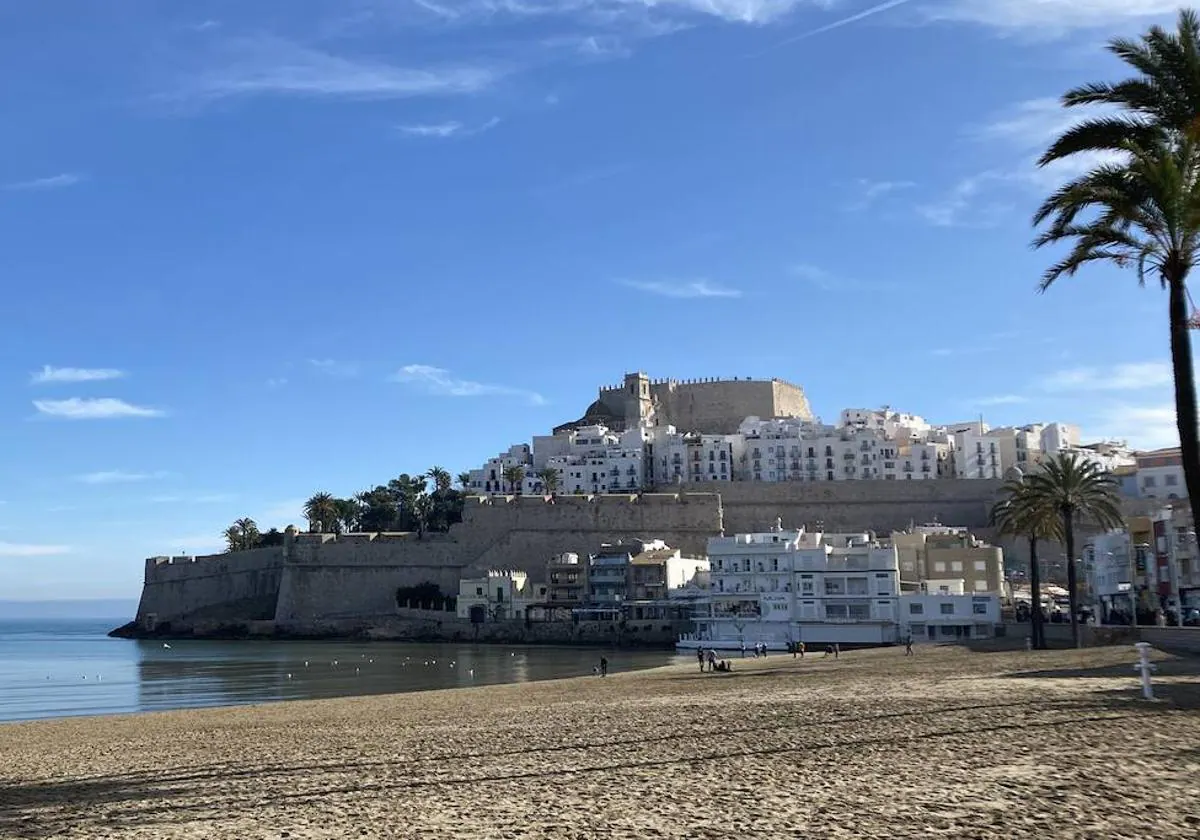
x=1072 y=578
x=1038 y=635
x=1185 y=393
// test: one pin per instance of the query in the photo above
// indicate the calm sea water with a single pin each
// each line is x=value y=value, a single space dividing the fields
x=56 y=668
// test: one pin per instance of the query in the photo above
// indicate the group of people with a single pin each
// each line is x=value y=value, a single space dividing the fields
x=709 y=658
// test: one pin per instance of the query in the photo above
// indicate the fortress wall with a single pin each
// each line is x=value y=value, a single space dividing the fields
x=879 y=506
x=358 y=574
x=790 y=400
x=720 y=406
x=176 y=587
x=527 y=532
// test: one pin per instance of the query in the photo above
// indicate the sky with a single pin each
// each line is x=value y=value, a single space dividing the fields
x=254 y=249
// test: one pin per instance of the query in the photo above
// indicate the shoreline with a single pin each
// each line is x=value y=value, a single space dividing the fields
x=874 y=745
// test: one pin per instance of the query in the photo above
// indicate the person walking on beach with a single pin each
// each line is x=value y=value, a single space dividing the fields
x=908 y=646
x=744 y=651
x=712 y=660
x=837 y=651
x=603 y=666
x=800 y=648
x=700 y=658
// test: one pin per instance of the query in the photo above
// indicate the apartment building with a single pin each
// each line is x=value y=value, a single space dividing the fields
x=939 y=552
x=1160 y=474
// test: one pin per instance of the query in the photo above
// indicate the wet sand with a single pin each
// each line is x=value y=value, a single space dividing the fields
x=946 y=743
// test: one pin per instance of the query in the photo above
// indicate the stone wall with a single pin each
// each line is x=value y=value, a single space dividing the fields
x=320 y=577
x=246 y=583
x=719 y=406
x=880 y=506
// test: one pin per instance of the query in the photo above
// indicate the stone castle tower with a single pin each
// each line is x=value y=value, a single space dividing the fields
x=711 y=406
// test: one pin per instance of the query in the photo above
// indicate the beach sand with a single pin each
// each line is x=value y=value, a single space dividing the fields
x=946 y=743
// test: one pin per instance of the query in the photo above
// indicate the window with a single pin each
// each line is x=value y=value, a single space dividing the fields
x=939 y=566
x=835 y=587
x=916 y=609
x=856 y=586
x=1148 y=481
x=1171 y=480
x=979 y=609
x=981 y=586
x=956 y=566
x=981 y=565
x=858 y=611
x=479 y=591
x=947 y=609
x=836 y=611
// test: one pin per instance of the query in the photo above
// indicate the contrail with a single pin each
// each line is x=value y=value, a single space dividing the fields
x=837 y=24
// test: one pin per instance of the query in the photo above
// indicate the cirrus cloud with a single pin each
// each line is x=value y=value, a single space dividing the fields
x=436 y=380
x=49 y=374
x=101 y=408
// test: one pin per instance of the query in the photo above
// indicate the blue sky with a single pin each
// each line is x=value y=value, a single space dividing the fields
x=257 y=249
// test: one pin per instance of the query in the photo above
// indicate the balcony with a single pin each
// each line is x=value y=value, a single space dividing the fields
x=849 y=456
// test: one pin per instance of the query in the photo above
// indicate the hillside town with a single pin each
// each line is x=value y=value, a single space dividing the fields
x=642 y=451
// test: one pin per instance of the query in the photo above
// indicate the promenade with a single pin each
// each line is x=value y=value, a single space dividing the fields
x=945 y=743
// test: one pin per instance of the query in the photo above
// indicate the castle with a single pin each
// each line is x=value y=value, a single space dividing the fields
x=712 y=406
x=314 y=581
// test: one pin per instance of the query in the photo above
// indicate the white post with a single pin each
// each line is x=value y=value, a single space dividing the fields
x=1028 y=643
x=1144 y=666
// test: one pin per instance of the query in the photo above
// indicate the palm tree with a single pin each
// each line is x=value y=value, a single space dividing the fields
x=1074 y=490
x=549 y=479
x=322 y=513
x=348 y=512
x=441 y=479
x=515 y=476
x=1139 y=206
x=1016 y=516
x=464 y=481
x=242 y=535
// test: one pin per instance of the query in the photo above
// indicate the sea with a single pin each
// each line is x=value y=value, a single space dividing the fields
x=62 y=667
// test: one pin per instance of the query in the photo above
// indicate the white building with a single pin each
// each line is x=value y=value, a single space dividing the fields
x=497 y=596
x=1109 y=562
x=948 y=617
x=787 y=586
x=490 y=480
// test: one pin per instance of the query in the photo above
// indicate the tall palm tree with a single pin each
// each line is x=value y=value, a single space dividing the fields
x=441 y=479
x=1014 y=514
x=242 y=535
x=322 y=513
x=515 y=476
x=549 y=479
x=1141 y=205
x=464 y=481
x=348 y=512
x=1074 y=490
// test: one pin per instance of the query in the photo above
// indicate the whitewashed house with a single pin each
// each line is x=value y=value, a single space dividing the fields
x=785 y=586
x=498 y=596
x=948 y=617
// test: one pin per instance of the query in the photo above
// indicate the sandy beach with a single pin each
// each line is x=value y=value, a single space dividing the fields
x=946 y=743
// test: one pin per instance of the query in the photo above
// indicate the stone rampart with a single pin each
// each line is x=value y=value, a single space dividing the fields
x=175 y=587
x=880 y=506
x=317 y=577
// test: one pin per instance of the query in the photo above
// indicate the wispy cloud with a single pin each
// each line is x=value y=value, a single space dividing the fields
x=8 y=549
x=439 y=381
x=682 y=288
x=53 y=182
x=101 y=408
x=277 y=382
x=1146 y=426
x=1046 y=18
x=277 y=67
x=868 y=192
x=583 y=178
x=332 y=367
x=1020 y=134
x=117 y=477
x=826 y=281
x=446 y=129
x=203 y=499
x=1125 y=377
x=1001 y=399
x=50 y=374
